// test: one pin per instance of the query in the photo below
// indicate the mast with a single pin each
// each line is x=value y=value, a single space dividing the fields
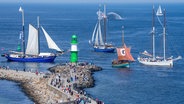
x=122 y=35
x=153 y=32
x=105 y=23
x=164 y=33
x=23 y=37
x=98 y=28
x=38 y=28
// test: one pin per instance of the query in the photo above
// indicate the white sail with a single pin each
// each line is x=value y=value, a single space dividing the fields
x=159 y=11
x=94 y=33
x=32 y=45
x=50 y=42
x=96 y=36
x=97 y=33
x=100 y=35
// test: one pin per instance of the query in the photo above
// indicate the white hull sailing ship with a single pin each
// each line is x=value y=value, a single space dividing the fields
x=149 y=59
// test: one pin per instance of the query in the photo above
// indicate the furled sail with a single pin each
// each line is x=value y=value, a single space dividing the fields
x=32 y=45
x=124 y=53
x=50 y=42
x=146 y=53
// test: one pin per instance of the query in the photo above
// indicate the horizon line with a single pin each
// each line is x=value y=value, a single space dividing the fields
x=91 y=2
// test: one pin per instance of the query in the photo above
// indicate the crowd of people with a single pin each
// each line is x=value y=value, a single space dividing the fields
x=68 y=83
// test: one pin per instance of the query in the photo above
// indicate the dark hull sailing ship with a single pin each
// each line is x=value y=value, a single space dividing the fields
x=20 y=58
x=124 y=56
x=32 y=51
x=152 y=60
x=98 y=41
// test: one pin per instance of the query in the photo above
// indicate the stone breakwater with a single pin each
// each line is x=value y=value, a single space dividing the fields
x=33 y=84
x=63 y=86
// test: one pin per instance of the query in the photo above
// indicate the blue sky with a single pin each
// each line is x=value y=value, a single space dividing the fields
x=92 y=1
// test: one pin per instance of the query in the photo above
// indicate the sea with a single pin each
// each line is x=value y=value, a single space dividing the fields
x=138 y=84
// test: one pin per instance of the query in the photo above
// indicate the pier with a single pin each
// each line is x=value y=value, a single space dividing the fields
x=63 y=86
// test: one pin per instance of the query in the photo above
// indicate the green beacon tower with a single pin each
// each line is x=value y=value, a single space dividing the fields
x=74 y=51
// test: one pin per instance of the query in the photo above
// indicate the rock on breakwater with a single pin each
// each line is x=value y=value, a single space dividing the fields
x=80 y=73
x=71 y=78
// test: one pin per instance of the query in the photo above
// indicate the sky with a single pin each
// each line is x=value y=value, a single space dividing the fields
x=92 y=1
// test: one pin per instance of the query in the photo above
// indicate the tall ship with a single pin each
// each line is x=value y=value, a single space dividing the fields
x=151 y=59
x=98 y=39
x=32 y=52
x=124 y=56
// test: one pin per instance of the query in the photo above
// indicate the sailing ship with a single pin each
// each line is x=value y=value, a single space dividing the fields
x=32 y=52
x=98 y=39
x=159 y=11
x=149 y=59
x=124 y=56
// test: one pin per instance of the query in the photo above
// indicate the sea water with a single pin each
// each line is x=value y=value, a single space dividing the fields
x=138 y=84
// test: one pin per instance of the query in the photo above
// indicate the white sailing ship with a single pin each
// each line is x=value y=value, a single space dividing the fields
x=149 y=59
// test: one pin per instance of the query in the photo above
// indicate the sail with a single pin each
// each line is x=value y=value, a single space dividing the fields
x=50 y=42
x=94 y=32
x=159 y=11
x=146 y=53
x=96 y=36
x=100 y=35
x=124 y=53
x=97 y=33
x=32 y=45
